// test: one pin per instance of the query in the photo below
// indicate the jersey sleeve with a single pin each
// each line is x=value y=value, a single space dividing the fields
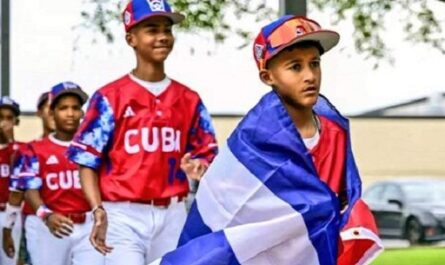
x=25 y=171
x=94 y=134
x=201 y=139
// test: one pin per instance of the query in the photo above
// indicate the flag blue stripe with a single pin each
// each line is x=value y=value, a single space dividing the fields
x=194 y=226
x=211 y=249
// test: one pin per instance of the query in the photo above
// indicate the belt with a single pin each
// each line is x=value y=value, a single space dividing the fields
x=163 y=202
x=2 y=207
x=77 y=218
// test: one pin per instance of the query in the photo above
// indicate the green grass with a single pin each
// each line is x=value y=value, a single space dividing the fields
x=412 y=256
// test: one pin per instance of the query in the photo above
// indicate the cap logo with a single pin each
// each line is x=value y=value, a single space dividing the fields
x=156 y=5
x=259 y=51
x=7 y=101
x=300 y=30
x=127 y=17
x=69 y=85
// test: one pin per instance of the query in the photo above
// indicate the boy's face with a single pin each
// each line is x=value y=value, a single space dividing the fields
x=67 y=114
x=7 y=122
x=152 y=39
x=43 y=113
x=295 y=75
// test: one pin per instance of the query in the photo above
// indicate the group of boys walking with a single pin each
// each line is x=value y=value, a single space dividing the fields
x=108 y=186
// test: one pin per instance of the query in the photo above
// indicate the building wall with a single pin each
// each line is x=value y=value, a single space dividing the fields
x=384 y=148
x=387 y=148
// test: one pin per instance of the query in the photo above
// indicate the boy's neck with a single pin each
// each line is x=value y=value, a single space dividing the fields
x=5 y=140
x=63 y=136
x=304 y=120
x=149 y=71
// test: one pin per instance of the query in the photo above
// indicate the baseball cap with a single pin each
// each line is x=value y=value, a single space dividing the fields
x=66 y=88
x=42 y=99
x=287 y=31
x=137 y=11
x=7 y=102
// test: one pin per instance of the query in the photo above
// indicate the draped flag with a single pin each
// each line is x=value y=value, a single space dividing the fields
x=261 y=202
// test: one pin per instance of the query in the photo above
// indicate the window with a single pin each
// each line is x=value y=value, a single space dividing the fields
x=392 y=192
x=373 y=194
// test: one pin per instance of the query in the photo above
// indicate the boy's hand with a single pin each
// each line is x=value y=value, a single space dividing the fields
x=8 y=242
x=193 y=168
x=98 y=234
x=59 y=225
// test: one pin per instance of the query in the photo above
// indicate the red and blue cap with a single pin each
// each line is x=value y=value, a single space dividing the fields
x=7 y=102
x=137 y=11
x=66 y=88
x=287 y=31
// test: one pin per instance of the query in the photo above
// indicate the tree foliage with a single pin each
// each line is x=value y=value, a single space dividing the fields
x=204 y=15
x=418 y=20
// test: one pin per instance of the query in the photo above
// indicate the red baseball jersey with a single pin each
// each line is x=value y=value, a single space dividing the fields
x=16 y=183
x=7 y=153
x=135 y=140
x=330 y=155
x=45 y=167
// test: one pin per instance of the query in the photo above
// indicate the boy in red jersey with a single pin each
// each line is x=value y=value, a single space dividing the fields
x=9 y=214
x=43 y=114
x=53 y=189
x=16 y=197
x=142 y=136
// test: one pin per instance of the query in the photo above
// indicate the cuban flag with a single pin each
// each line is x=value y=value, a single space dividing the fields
x=261 y=201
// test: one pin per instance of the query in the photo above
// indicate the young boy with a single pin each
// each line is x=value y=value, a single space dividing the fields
x=9 y=214
x=284 y=186
x=57 y=233
x=16 y=197
x=142 y=136
x=43 y=114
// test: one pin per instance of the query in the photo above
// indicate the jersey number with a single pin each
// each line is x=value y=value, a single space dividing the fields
x=173 y=173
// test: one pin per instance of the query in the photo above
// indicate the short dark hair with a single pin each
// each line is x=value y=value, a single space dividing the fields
x=56 y=101
x=299 y=45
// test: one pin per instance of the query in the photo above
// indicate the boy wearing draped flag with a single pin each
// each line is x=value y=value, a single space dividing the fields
x=285 y=190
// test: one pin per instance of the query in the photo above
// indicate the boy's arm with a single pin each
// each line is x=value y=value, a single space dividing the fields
x=15 y=199
x=201 y=144
x=30 y=182
x=58 y=224
x=94 y=134
x=86 y=149
x=90 y=187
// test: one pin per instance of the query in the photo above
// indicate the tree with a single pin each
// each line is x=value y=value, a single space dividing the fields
x=420 y=24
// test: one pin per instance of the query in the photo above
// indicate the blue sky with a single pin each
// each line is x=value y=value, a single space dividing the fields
x=42 y=55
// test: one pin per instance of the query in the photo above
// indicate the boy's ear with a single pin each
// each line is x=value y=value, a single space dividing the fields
x=130 y=40
x=266 y=77
x=51 y=113
x=17 y=121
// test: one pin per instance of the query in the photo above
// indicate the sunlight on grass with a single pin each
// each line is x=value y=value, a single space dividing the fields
x=412 y=256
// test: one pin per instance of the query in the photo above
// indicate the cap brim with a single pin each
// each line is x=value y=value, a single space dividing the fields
x=327 y=39
x=82 y=95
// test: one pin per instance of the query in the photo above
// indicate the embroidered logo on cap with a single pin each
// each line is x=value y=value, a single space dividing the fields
x=259 y=51
x=300 y=31
x=69 y=85
x=156 y=5
x=127 y=17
